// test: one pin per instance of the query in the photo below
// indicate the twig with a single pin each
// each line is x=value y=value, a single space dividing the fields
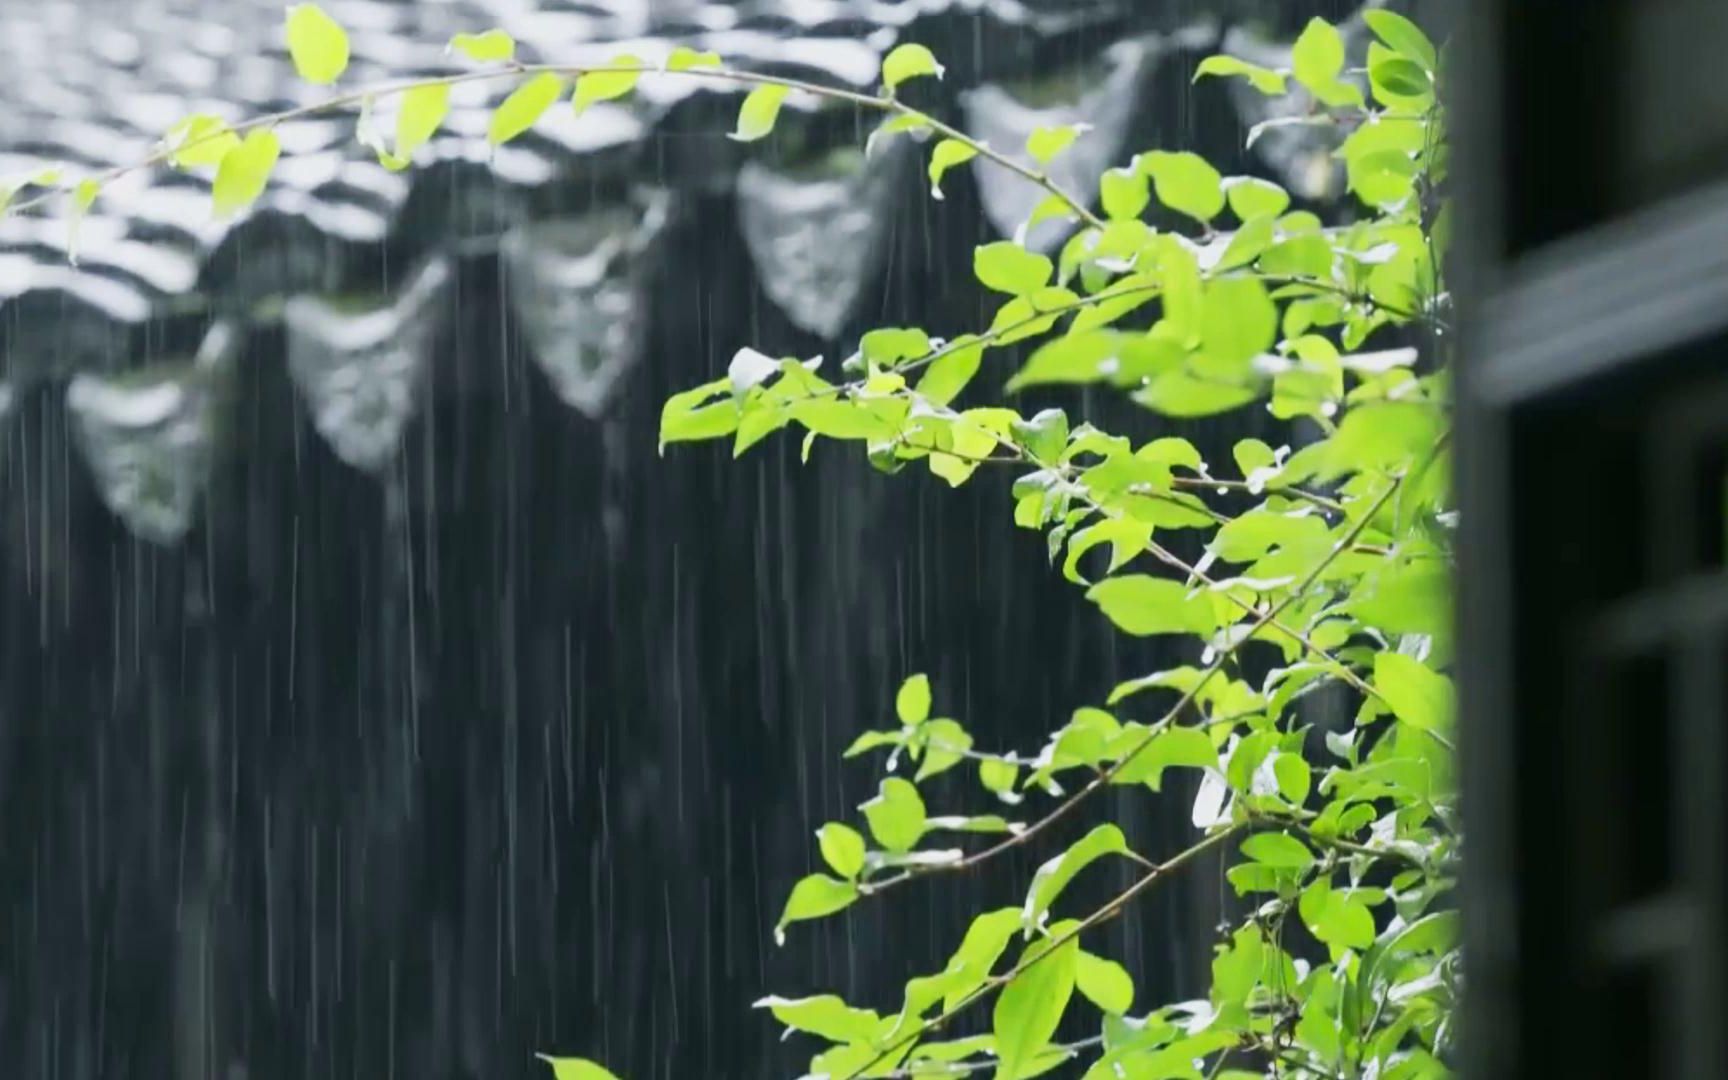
x=1108 y=911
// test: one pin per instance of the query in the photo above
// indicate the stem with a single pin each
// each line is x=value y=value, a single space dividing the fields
x=1108 y=911
x=166 y=153
x=1103 y=779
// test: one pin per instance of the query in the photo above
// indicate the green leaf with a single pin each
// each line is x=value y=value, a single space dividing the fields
x=317 y=44
x=1278 y=850
x=889 y=347
x=83 y=198
x=1294 y=778
x=1105 y=983
x=1030 y=1008
x=1185 y=746
x=1262 y=79
x=978 y=952
x=1142 y=605
x=825 y=1015
x=1048 y=142
x=684 y=58
x=812 y=898
x=912 y=702
x=1123 y=194
x=760 y=110
x=201 y=139
x=1250 y=197
x=1341 y=920
x=1419 y=697
x=1238 y=322
x=1403 y=37
x=909 y=61
x=575 y=1069
x=487 y=47
x=1401 y=77
x=998 y=776
x=948 y=153
x=687 y=416
x=1007 y=267
x=1186 y=183
x=1054 y=876
x=1318 y=56
x=526 y=104
x=896 y=815
x=423 y=110
x=950 y=372
x=894 y=125
x=593 y=86
x=874 y=740
x=945 y=746
x=244 y=171
x=1043 y=436
x=842 y=848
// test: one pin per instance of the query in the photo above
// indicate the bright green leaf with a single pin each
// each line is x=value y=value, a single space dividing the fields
x=526 y=104
x=317 y=44
x=842 y=848
x=1318 y=56
x=202 y=139
x=812 y=898
x=825 y=1015
x=1262 y=79
x=1186 y=183
x=909 y=61
x=1278 y=850
x=948 y=153
x=593 y=86
x=945 y=745
x=1009 y=268
x=1419 y=697
x=1403 y=37
x=1105 y=983
x=950 y=372
x=423 y=110
x=244 y=172
x=896 y=815
x=1250 y=197
x=1047 y=142
x=912 y=701
x=684 y=58
x=1141 y=605
x=487 y=47
x=1052 y=877
x=1030 y=1008
x=575 y=1069
x=760 y=110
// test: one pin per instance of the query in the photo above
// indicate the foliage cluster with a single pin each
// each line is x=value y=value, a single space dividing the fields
x=1325 y=564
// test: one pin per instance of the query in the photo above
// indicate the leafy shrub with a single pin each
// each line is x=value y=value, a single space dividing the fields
x=1331 y=562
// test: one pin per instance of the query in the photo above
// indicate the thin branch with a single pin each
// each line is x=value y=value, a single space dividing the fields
x=1104 y=914
x=963 y=1068
x=1103 y=779
x=166 y=153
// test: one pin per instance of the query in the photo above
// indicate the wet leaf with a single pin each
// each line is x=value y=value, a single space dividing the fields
x=909 y=61
x=948 y=153
x=1262 y=79
x=684 y=58
x=525 y=105
x=317 y=44
x=1143 y=605
x=756 y=116
x=575 y=1069
x=423 y=111
x=1105 y=983
x=487 y=47
x=812 y=898
x=896 y=815
x=1185 y=183
x=593 y=86
x=244 y=172
x=1030 y=1008
x=842 y=848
